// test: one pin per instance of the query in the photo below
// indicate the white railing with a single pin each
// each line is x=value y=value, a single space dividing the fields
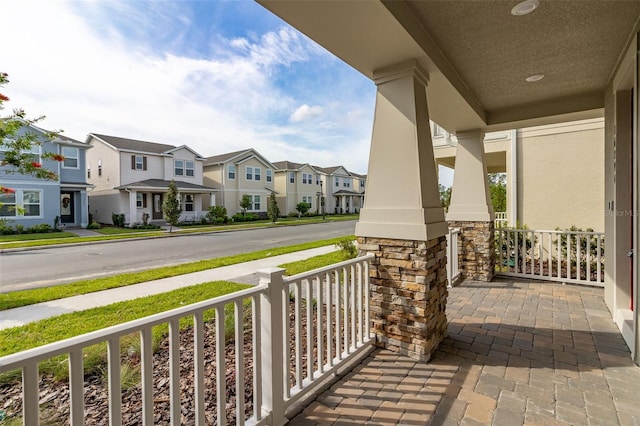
x=500 y=220
x=453 y=271
x=565 y=256
x=266 y=319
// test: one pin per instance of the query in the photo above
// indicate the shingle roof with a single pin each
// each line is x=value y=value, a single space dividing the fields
x=328 y=170
x=221 y=158
x=163 y=184
x=287 y=165
x=135 y=145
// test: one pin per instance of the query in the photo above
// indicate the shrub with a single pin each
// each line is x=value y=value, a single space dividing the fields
x=94 y=225
x=143 y=226
x=19 y=229
x=40 y=228
x=118 y=219
x=348 y=247
x=250 y=217
x=216 y=213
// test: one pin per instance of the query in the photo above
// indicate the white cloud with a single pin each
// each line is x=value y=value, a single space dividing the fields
x=88 y=79
x=305 y=112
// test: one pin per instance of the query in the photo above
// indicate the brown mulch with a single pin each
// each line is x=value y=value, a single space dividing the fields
x=54 y=395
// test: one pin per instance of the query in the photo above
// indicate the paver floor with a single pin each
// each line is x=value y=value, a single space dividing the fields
x=532 y=353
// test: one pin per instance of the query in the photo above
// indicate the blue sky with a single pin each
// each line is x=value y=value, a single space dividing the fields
x=218 y=76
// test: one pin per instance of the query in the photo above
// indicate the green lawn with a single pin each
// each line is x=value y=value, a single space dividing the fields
x=315 y=262
x=37 y=236
x=21 y=241
x=28 y=297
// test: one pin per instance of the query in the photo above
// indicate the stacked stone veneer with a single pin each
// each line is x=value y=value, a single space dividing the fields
x=476 y=251
x=408 y=294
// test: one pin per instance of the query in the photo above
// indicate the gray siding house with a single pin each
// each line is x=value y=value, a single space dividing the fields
x=38 y=201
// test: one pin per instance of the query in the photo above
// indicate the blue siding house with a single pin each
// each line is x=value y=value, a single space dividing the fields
x=38 y=201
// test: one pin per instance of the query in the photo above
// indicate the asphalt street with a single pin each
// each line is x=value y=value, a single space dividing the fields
x=39 y=268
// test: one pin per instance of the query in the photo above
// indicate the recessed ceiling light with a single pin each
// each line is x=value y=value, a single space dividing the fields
x=525 y=7
x=534 y=77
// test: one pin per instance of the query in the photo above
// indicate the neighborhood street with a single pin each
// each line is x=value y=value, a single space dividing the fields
x=39 y=268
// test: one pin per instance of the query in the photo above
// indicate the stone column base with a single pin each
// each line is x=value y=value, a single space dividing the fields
x=408 y=294
x=477 y=252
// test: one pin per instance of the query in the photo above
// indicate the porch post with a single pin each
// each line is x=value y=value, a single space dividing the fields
x=470 y=208
x=84 y=208
x=133 y=208
x=402 y=221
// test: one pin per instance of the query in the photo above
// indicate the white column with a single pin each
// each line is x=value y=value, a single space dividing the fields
x=84 y=208
x=470 y=199
x=343 y=204
x=212 y=199
x=133 y=208
x=402 y=199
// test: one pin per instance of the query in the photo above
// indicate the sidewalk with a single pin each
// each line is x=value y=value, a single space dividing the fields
x=241 y=272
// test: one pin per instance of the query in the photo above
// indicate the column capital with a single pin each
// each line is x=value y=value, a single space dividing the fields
x=401 y=70
x=475 y=134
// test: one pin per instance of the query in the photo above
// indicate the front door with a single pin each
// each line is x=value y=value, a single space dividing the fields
x=66 y=207
x=157 y=206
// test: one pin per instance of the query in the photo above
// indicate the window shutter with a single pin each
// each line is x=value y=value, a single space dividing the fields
x=133 y=162
x=144 y=163
x=144 y=200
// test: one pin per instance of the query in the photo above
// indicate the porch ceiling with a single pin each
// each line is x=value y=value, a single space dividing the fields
x=478 y=54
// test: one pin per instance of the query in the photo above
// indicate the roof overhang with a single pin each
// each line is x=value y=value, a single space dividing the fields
x=478 y=55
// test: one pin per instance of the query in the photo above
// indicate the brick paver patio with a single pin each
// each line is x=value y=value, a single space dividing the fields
x=518 y=352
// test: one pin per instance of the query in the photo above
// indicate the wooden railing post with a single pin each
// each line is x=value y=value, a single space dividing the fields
x=271 y=325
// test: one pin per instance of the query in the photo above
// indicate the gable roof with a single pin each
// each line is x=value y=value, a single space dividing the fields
x=133 y=144
x=238 y=157
x=331 y=170
x=290 y=165
x=222 y=158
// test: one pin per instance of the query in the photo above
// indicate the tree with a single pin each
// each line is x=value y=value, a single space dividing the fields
x=171 y=206
x=17 y=157
x=445 y=196
x=498 y=191
x=245 y=203
x=273 y=210
x=302 y=208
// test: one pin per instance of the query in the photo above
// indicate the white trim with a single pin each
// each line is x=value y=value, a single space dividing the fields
x=77 y=157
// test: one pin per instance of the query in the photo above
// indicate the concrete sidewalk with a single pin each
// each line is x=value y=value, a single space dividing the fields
x=241 y=272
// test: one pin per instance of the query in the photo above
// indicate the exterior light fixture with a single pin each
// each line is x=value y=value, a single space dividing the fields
x=534 y=77
x=525 y=7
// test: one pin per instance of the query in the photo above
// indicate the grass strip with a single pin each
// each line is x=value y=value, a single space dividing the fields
x=315 y=262
x=9 y=241
x=37 y=236
x=64 y=326
x=28 y=297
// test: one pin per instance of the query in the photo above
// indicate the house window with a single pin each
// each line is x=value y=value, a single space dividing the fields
x=269 y=177
x=317 y=179
x=188 y=202
x=22 y=203
x=138 y=162
x=249 y=173
x=337 y=181
x=34 y=150
x=99 y=167
x=31 y=203
x=256 y=202
x=70 y=157
x=232 y=171
x=88 y=171
x=304 y=178
x=292 y=177
x=346 y=184
x=189 y=168
x=8 y=205
x=178 y=167
x=256 y=173
x=141 y=200
x=307 y=200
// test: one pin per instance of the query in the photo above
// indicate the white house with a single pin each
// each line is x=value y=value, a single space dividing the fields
x=131 y=177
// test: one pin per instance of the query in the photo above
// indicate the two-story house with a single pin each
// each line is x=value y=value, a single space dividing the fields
x=240 y=173
x=36 y=201
x=341 y=196
x=297 y=183
x=131 y=177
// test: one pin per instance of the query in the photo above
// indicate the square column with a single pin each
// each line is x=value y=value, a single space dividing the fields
x=471 y=209
x=133 y=207
x=402 y=221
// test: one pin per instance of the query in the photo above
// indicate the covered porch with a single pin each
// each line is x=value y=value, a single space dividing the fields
x=517 y=352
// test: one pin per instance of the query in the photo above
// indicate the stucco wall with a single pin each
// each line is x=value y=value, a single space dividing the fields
x=561 y=177
x=100 y=153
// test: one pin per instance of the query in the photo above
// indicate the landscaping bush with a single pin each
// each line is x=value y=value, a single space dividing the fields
x=250 y=217
x=216 y=213
x=348 y=247
x=143 y=226
x=94 y=225
x=118 y=219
